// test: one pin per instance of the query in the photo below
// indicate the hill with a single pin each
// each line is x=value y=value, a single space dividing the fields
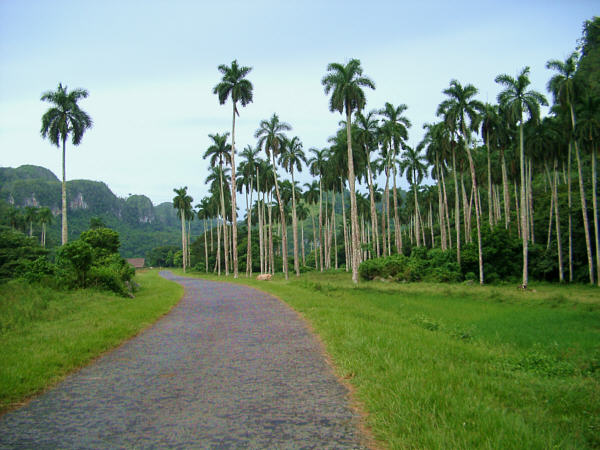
x=141 y=225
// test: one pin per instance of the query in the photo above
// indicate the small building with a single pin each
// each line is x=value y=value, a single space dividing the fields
x=137 y=263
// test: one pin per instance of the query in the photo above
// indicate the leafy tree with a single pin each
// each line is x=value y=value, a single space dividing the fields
x=63 y=119
x=345 y=83
x=235 y=85
x=518 y=101
x=79 y=254
x=104 y=241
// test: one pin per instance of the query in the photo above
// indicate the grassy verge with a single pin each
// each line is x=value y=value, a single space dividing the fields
x=45 y=334
x=455 y=366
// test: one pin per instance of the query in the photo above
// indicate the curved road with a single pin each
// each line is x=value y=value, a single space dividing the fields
x=228 y=367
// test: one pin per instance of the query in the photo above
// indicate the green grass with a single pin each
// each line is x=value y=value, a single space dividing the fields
x=46 y=334
x=456 y=366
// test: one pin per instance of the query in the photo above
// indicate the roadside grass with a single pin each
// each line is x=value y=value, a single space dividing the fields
x=46 y=334
x=459 y=366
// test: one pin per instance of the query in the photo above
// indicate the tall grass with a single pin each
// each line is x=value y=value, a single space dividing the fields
x=45 y=334
x=455 y=366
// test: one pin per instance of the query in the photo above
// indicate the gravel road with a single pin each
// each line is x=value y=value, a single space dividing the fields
x=228 y=367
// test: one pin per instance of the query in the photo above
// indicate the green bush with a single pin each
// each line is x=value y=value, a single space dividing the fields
x=107 y=278
x=80 y=255
x=39 y=270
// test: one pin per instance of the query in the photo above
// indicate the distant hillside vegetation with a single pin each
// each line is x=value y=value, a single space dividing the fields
x=141 y=225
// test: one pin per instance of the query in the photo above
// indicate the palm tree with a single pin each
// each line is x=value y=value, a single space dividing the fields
x=234 y=85
x=588 y=131
x=312 y=195
x=218 y=180
x=317 y=166
x=562 y=85
x=517 y=101
x=204 y=212
x=292 y=156
x=345 y=84
x=396 y=126
x=271 y=137
x=31 y=217
x=248 y=171
x=464 y=111
x=45 y=217
x=63 y=119
x=182 y=203
x=413 y=164
x=220 y=151
x=367 y=130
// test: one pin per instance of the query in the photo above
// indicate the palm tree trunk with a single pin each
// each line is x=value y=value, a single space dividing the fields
x=456 y=207
x=312 y=218
x=205 y=248
x=347 y=251
x=320 y=223
x=353 y=208
x=440 y=207
x=505 y=192
x=595 y=209
x=489 y=173
x=570 y=206
x=373 y=211
x=295 y=227
x=224 y=216
x=387 y=209
x=586 y=225
x=64 y=233
x=271 y=250
x=233 y=200
x=44 y=232
x=416 y=214
x=302 y=242
x=249 y=246
x=524 y=231
x=333 y=235
x=183 y=240
x=466 y=210
x=557 y=221
x=518 y=211
x=282 y=218
x=260 y=227
x=530 y=201
x=446 y=210
x=397 y=235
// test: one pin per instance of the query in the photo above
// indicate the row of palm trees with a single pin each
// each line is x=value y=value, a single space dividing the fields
x=368 y=144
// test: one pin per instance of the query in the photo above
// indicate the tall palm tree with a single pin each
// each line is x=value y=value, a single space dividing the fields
x=317 y=165
x=292 y=156
x=312 y=195
x=518 y=101
x=248 y=171
x=218 y=181
x=413 y=164
x=63 y=119
x=220 y=151
x=235 y=85
x=182 y=203
x=345 y=82
x=367 y=129
x=563 y=87
x=461 y=107
x=204 y=212
x=31 y=217
x=45 y=217
x=271 y=137
x=588 y=131
x=396 y=126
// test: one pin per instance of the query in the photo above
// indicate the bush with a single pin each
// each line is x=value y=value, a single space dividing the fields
x=107 y=278
x=39 y=270
x=104 y=241
x=80 y=255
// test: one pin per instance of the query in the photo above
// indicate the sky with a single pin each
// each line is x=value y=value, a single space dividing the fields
x=150 y=68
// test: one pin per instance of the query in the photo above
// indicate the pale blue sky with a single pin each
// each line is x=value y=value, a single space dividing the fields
x=150 y=67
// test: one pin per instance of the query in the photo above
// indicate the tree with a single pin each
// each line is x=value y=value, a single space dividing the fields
x=45 y=217
x=292 y=156
x=63 y=119
x=271 y=138
x=220 y=151
x=182 y=203
x=317 y=166
x=345 y=83
x=563 y=87
x=367 y=129
x=312 y=195
x=517 y=101
x=413 y=164
x=464 y=110
x=248 y=171
x=395 y=125
x=234 y=85
x=31 y=217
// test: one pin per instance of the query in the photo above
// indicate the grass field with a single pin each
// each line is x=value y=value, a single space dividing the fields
x=456 y=366
x=45 y=334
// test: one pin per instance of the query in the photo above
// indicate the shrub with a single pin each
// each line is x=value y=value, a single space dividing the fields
x=104 y=241
x=80 y=255
x=38 y=270
x=107 y=278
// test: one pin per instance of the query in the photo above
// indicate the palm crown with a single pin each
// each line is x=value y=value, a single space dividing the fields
x=65 y=117
x=345 y=84
x=515 y=97
x=234 y=84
